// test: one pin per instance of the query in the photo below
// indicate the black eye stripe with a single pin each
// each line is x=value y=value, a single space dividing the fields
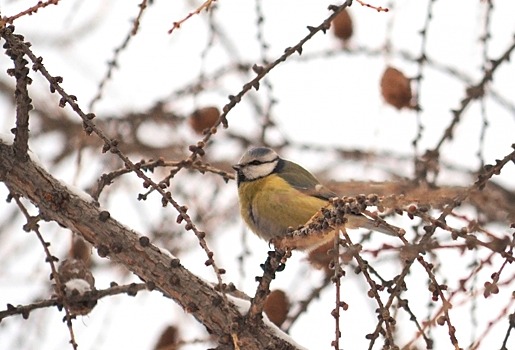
x=259 y=162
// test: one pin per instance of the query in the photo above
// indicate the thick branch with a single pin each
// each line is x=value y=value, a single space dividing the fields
x=23 y=102
x=121 y=245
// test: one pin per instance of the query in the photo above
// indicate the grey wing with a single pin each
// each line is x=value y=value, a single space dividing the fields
x=302 y=180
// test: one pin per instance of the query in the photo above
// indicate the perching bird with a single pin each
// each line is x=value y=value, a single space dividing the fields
x=276 y=194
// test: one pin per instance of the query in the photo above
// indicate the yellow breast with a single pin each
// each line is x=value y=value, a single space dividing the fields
x=270 y=205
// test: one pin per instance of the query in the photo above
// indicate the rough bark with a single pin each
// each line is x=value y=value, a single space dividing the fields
x=121 y=245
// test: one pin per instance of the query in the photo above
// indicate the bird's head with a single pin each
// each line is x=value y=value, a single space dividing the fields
x=256 y=163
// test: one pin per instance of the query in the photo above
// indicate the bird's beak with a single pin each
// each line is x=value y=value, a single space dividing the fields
x=236 y=167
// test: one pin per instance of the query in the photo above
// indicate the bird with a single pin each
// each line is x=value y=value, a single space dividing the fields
x=277 y=195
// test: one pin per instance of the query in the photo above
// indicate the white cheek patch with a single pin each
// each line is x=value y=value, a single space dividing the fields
x=253 y=172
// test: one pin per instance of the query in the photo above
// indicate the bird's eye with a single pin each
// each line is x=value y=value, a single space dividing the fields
x=255 y=162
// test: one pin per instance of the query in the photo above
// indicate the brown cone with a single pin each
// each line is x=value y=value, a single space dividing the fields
x=320 y=259
x=168 y=339
x=342 y=26
x=396 y=88
x=203 y=119
x=74 y=273
x=277 y=306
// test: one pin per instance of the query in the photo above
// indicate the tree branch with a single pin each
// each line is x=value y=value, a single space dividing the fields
x=115 y=241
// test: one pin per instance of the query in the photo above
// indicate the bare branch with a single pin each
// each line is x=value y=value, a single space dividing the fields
x=120 y=245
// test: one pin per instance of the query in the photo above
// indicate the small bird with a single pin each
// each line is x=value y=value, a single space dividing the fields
x=276 y=195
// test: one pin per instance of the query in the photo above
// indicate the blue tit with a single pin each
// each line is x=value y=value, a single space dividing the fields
x=276 y=194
